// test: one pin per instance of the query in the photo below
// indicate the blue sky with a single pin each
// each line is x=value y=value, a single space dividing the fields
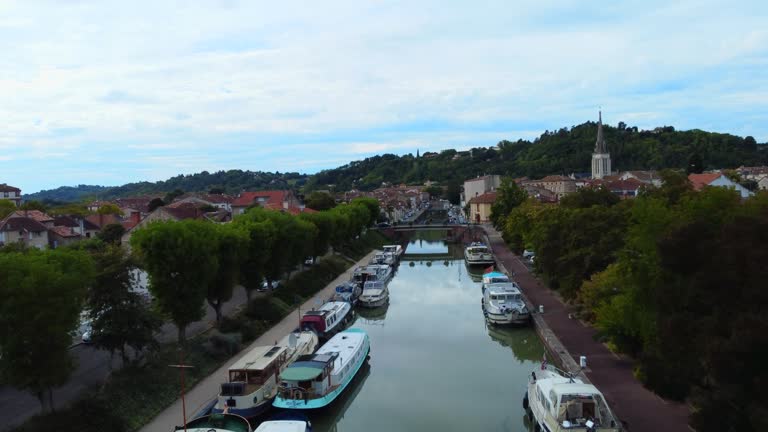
x=100 y=92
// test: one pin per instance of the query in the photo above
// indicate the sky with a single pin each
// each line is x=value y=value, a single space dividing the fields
x=101 y=92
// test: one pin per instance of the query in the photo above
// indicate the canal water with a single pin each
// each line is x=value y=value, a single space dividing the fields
x=435 y=365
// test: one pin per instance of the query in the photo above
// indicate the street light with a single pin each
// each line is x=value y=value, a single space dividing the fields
x=181 y=366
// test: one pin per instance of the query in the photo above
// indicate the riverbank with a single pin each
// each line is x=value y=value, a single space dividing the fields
x=638 y=408
x=206 y=390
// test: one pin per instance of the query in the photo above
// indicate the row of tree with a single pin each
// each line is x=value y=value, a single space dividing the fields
x=188 y=263
x=675 y=278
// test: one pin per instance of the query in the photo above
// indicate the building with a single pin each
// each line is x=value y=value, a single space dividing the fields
x=601 y=159
x=180 y=213
x=480 y=207
x=625 y=189
x=762 y=184
x=12 y=194
x=23 y=229
x=479 y=186
x=699 y=181
x=559 y=185
x=269 y=199
x=648 y=177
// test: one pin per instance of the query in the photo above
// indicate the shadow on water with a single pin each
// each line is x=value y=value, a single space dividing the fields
x=524 y=342
x=329 y=418
x=374 y=316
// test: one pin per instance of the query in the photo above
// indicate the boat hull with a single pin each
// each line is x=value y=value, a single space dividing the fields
x=326 y=400
x=508 y=318
x=375 y=303
x=480 y=261
x=250 y=412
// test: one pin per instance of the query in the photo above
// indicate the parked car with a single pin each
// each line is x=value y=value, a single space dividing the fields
x=265 y=286
x=309 y=261
x=528 y=253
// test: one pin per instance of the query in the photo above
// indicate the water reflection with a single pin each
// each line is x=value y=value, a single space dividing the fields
x=330 y=418
x=524 y=342
x=372 y=315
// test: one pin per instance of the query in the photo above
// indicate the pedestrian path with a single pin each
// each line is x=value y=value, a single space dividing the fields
x=639 y=408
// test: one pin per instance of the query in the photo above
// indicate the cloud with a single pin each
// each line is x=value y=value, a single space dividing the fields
x=244 y=85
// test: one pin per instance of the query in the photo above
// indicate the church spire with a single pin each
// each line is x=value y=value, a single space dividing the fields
x=600 y=146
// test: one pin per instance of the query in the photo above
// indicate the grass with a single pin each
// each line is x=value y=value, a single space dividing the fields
x=134 y=395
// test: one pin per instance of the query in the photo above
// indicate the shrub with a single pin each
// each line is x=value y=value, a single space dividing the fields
x=230 y=324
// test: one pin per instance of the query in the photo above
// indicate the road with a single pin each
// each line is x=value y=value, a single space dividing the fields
x=93 y=367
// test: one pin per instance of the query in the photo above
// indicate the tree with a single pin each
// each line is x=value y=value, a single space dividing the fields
x=695 y=164
x=155 y=203
x=453 y=192
x=508 y=196
x=261 y=238
x=6 y=207
x=111 y=233
x=33 y=205
x=434 y=191
x=320 y=201
x=181 y=260
x=372 y=205
x=109 y=208
x=170 y=196
x=42 y=294
x=120 y=317
x=78 y=210
x=217 y=191
x=232 y=249
x=324 y=221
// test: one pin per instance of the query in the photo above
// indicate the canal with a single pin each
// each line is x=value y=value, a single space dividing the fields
x=435 y=365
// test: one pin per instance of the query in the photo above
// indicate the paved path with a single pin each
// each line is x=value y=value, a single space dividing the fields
x=207 y=389
x=640 y=409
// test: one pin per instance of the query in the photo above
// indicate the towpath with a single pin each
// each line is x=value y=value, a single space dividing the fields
x=206 y=390
x=639 y=408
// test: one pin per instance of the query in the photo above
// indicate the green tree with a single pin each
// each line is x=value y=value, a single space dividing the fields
x=587 y=197
x=695 y=164
x=508 y=196
x=155 y=203
x=181 y=260
x=372 y=205
x=120 y=317
x=42 y=294
x=232 y=249
x=320 y=201
x=170 y=196
x=6 y=207
x=261 y=240
x=111 y=233
x=109 y=208
x=434 y=191
x=33 y=205
x=453 y=192
x=325 y=223
x=78 y=210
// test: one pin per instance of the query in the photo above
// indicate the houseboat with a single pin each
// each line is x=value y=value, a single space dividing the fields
x=395 y=250
x=503 y=304
x=478 y=254
x=314 y=381
x=217 y=423
x=286 y=421
x=372 y=272
x=252 y=381
x=559 y=402
x=331 y=318
x=493 y=277
x=375 y=294
x=348 y=292
x=383 y=258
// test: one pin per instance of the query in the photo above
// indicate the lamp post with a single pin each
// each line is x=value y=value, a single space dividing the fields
x=181 y=366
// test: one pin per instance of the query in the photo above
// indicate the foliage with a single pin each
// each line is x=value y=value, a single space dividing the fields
x=78 y=210
x=261 y=239
x=320 y=201
x=6 y=207
x=170 y=196
x=33 y=205
x=509 y=195
x=588 y=197
x=155 y=203
x=181 y=260
x=231 y=249
x=695 y=164
x=90 y=414
x=324 y=221
x=111 y=233
x=434 y=191
x=42 y=294
x=109 y=208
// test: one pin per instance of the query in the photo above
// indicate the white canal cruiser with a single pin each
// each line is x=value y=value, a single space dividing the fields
x=395 y=250
x=478 y=254
x=253 y=379
x=314 y=381
x=559 y=402
x=383 y=258
x=372 y=272
x=375 y=294
x=331 y=318
x=503 y=303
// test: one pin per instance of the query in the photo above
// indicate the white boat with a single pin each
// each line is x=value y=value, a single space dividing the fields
x=557 y=402
x=478 y=254
x=503 y=304
x=348 y=292
x=372 y=272
x=395 y=250
x=331 y=318
x=286 y=421
x=383 y=258
x=314 y=381
x=252 y=381
x=375 y=294
x=493 y=277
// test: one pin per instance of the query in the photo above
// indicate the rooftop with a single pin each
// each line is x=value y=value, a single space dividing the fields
x=700 y=180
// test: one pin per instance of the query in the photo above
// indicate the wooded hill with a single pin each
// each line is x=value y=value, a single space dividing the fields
x=564 y=151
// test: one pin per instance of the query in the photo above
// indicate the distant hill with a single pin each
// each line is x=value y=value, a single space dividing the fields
x=232 y=182
x=564 y=151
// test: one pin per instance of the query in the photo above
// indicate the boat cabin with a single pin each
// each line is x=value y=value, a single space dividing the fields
x=495 y=277
x=574 y=404
x=395 y=250
x=326 y=318
x=254 y=370
x=308 y=376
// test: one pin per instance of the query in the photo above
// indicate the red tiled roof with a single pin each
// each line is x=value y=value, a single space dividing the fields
x=629 y=184
x=20 y=223
x=102 y=220
x=249 y=198
x=297 y=210
x=486 y=198
x=65 y=221
x=37 y=215
x=182 y=213
x=554 y=178
x=63 y=231
x=7 y=188
x=700 y=180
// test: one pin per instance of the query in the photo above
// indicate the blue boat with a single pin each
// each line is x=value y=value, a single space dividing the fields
x=314 y=381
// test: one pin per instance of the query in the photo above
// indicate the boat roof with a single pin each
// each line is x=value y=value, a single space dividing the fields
x=495 y=275
x=326 y=308
x=503 y=288
x=218 y=422
x=391 y=247
x=563 y=386
x=258 y=358
x=339 y=350
x=282 y=426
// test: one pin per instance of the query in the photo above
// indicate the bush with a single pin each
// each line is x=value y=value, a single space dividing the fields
x=251 y=330
x=225 y=343
x=263 y=309
x=230 y=324
x=90 y=414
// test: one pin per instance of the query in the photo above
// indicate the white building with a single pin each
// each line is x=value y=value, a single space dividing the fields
x=479 y=186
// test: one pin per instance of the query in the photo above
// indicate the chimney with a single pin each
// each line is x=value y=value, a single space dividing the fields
x=135 y=218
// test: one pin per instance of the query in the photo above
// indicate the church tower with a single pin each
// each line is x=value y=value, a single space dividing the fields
x=601 y=159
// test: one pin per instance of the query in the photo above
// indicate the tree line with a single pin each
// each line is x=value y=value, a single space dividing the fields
x=675 y=278
x=189 y=263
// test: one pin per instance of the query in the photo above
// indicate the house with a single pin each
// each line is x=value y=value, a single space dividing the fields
x=762 y=184
x=699 y=181
x=22 y=229
x=480 y=207
x=102 y=220
x=166 y=213
x=752 y=173
x=220 y=201
x=36 y=215
x=479 y=186
x=539 y=193
x=648 y=177
x=557 y=184
x=12 y=194
x=269 y=199
x=80 y=226
x=625 y=189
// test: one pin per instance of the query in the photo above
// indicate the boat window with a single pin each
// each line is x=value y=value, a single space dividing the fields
x=236 y=376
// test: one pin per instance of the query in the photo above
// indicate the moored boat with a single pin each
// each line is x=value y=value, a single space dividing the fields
x=559 y=402
x=217 y=423
x=375 y=294
x=492 y=277
x=478 y=254
x=383 y=258
x=314 y=381
x=372 y=272
x=331 y=318
x=395 y=250
x=253 y=379
x=348 y=292
x=503 y=304
x=287 y=421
